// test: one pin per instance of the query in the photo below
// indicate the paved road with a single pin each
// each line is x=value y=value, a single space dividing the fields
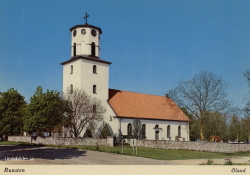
x=56 y=156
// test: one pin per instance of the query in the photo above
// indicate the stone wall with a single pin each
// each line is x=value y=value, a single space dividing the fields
x=62 y=140
x=195 y=146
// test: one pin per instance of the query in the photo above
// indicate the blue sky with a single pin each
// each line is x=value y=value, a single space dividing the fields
x=152 y=44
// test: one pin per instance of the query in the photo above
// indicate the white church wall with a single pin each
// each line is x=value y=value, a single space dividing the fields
x=84 y=78
x=116 y=123
x=84 y=47
x=150 y=131
x=72 y=78
x=100 y=79
x=110 y=117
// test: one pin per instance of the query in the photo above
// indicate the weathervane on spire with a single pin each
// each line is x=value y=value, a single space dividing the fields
x=86 y=18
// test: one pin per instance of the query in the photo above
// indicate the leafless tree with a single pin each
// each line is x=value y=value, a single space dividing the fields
x=200 y=95
x=83 y=111
x=247 y=107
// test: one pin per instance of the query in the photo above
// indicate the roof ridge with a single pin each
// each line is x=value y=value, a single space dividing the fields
x=138 y=93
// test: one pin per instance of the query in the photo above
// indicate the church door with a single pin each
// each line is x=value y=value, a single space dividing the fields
x=156 y=135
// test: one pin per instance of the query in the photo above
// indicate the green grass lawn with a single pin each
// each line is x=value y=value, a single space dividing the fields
x=17 y=143
x=160 y=154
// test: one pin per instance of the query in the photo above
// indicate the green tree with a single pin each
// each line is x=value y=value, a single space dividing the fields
x=236 y=129
x=215 y=124
x=12 y=111
x=105 y=131
x=45 y=111
x=247 y=107
x=203 y=93
x=246 y=128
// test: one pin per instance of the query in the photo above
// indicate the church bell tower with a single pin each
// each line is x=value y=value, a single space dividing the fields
x=85 y=40
x=85 y=70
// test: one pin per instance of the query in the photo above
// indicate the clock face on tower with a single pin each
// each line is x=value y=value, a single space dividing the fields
x=93 y=32
x=83 y=31
x=74 y=33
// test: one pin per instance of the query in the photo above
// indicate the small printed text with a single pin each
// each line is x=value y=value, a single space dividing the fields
x=17 y=170
x=238 y=170
x=18 y=158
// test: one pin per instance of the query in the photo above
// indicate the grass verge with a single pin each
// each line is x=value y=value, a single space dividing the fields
x=19 y=143
x=160 y=154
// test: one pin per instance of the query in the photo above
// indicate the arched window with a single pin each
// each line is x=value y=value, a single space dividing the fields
x=94 y=108
x=71 y=69
x=94 y=69
x=74 y=49
x=129 y=129
x=93 y=49
x=168 y=131
x=179 y=131
x=94 y=89
x=143 y=131
x=71 y=88
x=157 y=132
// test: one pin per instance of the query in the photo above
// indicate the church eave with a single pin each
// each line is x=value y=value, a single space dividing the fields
x=152 y=118
x=86 y=58
x=86 y=25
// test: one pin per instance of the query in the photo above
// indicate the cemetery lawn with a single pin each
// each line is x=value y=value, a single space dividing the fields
x=160 y=154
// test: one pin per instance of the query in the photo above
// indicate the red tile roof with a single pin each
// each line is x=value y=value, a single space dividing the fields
x=214 y=138
x=137 y=105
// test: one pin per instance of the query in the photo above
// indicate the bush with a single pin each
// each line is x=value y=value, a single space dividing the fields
x=228 y=162
x=97 y=148
x=105 y=131
x=209 y=162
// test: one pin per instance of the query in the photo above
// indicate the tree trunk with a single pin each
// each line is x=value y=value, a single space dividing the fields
x=5 y=137
x=248 y=137
x=21 y=132
x=201 y=133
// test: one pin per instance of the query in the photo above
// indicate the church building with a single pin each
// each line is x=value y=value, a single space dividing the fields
x=160 y=117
